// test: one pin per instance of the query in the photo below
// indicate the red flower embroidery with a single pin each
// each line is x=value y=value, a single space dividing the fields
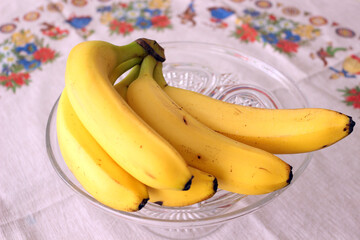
x=44 y=54
x=160 y=21
x=247 y=33
x=354 y=99
x=121 y=27
x=272 y=18
x=54 y=32
x=287 y=46
x=17 y=78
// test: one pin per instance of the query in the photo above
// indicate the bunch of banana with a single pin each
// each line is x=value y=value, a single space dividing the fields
x=115 y=155
x=141 y=140
x=238 y=167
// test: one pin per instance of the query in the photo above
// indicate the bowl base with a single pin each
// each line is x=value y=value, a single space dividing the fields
x=183 y=233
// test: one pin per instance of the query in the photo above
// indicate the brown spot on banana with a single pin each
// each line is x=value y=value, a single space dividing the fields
x=150 y=175
x=184 y=120
x=261 y=168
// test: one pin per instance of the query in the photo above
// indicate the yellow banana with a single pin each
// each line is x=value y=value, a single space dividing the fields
x=91 y=70
x=122 y=86
x=93 y=167
x=274 y=130
x=238 y=167
x=203 y=186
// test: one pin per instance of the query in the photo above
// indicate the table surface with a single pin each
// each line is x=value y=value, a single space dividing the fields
x=319 y=49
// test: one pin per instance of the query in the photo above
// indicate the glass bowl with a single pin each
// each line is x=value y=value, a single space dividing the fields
x=223 y=73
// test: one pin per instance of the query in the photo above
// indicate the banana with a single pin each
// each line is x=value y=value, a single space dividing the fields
x=203 y=186
x=92 y=166
x=91 y=70
x=279 y=131
x=238 y=167
x=122 y=86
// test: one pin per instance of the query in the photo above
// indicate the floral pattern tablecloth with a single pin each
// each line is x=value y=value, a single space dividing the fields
x=315 y=43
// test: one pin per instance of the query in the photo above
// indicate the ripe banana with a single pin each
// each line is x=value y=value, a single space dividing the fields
x=203 y=186
x=93 y=167
x=122 y=86
x=274 y=130
x=91 y=70
x=238 y=167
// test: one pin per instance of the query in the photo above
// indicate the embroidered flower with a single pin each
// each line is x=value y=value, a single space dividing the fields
x=160 y=21
x=252 y=12
x=121 y=27
x=14 y=79
x=6 y=48
x=29 y=65
x=152 y=12
x=143 y=23
x=352 y=96
x=103 y=9
x=306 y=31
x=44 y=54
x=287 y=46
x=23 y=37
x=286 y=24
x=291 y=37
x=272 y=18
x=29 y=48
x=133 y=14
x=258 y=24
x=271 y=28
x=10 y=59
x=119 y=14
x=247 y=33
x=106 y=18
x=269 y=38
x=243 y=20
x=140 y=5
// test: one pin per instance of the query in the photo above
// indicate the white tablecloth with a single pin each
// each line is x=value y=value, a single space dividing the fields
x=319 y=49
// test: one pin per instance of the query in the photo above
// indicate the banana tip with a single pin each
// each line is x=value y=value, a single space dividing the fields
x=290 y=176
x=215 y=185
x=351 y=124
x=143 y=203
x=188 y=184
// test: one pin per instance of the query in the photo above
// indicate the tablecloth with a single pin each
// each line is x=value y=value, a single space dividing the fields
x=314 y=43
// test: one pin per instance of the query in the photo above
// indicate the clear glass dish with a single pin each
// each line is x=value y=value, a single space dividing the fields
x=223 y=73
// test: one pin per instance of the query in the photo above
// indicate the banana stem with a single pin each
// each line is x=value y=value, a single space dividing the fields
x=159 y=76
x=123 y=85
x=123 y=67
x=152 y=48
x=147 y=66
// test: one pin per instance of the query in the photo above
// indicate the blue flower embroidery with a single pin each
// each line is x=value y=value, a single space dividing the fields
x=252 y=12
x=143 y=23
x=104 y=9
x=291 y=37
x=270 y=38
x=29 y=65
x=153 y=12
x=28 y=48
